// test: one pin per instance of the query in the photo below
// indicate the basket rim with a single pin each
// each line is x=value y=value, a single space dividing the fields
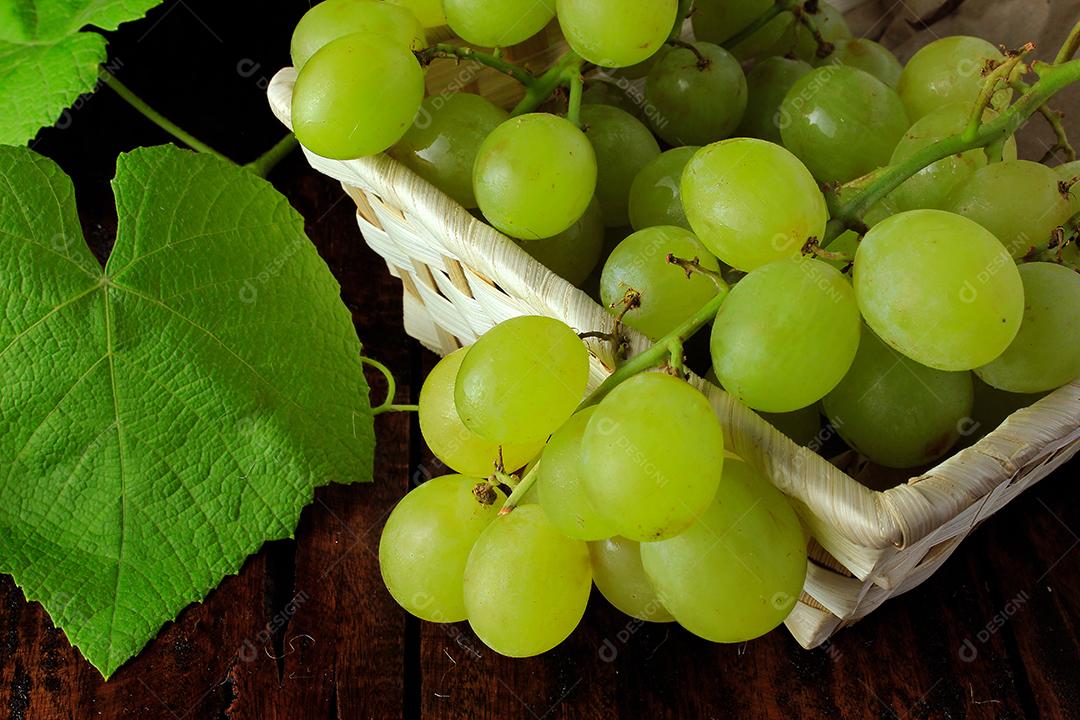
x=892 y=518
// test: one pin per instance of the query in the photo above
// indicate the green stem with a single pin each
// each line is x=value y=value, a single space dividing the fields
x=155 y=117
x=1002 y=75
x=1072 y=44
x=577 y=87
x=445 y=50
x=806 y=18
x=675 y=350
x=658 y=353
x=536 y=94
x=520 y=490
x=875 y=187
x=391 y=390
x=762 y=20
x=266 y=162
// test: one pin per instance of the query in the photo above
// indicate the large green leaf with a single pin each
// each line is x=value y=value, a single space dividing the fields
x=46 y=63
x=160 y=420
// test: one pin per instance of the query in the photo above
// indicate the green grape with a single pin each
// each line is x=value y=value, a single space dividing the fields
x=939 y=288
x=739 y=570
x=948 y=70
x=561 y=487
x=535 y=176
x=751 y=202
x=442 y=144
x=356 y=96
x=428 y=12
x=521 y=380
x=623 y=146
x=697 y=101
x=656 y=195
x=786 y=335
x=498 y=23
x=332 y=19
x=605 y=92
x=1045 y=354
x=929 y=188
x=574 y=253
x=841 y=122
x=1017 y=200
x=652 y=456
x=668 y=297
x=526 y=584
x=620 y=577
x=802 y=426
x=768 y=84
x=616 y=33
x=447 y=437
x=895 y=411
x=425 y=544
x=868 y=56
x=717 y=21
x=1069 y=173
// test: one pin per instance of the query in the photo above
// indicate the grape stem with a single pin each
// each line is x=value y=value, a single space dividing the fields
x=266 y=162
x=694 y=267
x=391 y=390
x=675 y=351
x=813 y=247
x=154 y=116
x=445 y=50
x=762 y=20
x=805 y=15
x=577 y=87
x=871 y=189
x=658 y=353
x=520 y=490
x=540 y=89
x=1069 y=49
x=1001 y=75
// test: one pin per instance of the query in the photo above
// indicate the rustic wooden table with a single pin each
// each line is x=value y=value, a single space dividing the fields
x=306 y=630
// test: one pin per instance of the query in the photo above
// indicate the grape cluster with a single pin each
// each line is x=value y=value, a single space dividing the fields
x=774 y=177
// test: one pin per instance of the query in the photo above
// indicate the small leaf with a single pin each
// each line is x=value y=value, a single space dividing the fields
x=46 y=63
x=160 y=420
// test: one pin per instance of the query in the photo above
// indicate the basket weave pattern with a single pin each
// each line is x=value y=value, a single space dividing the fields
x=461 y=277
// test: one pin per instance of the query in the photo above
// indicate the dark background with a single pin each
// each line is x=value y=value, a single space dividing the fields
x=308 y=631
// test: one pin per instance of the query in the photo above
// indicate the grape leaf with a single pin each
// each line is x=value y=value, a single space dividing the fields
x=46 y=63
x=161 y=419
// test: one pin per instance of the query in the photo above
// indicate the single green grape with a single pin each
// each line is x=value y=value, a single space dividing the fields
x=356 y=96
x=841 y=122
x=939 y=288
x=868 y=56
x=717 y=21
x=623 y=146
x=1069 y=173
x=526 y=584
x=697 y=101
x=948 y=70
x=1018 y=200
x=442 y=144
x=574 y=253
x=616 y=33
x=651 y=456
x=895 y=411
x=521 y=380
x=1045 y=354
x=426 y=542
x=561 y=487
x=428 y=12
x=535 y=175
x=331 y=19
x=739 y=570
x=768 y=83
x=786 y=335
x=930 y=187
x=668 y=297
x=620 y=578
x=751 y=202
x=447 y=437
x=656 y=195
x=498 y=23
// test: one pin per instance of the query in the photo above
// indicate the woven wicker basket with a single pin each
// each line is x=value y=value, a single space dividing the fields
x=461 y=277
